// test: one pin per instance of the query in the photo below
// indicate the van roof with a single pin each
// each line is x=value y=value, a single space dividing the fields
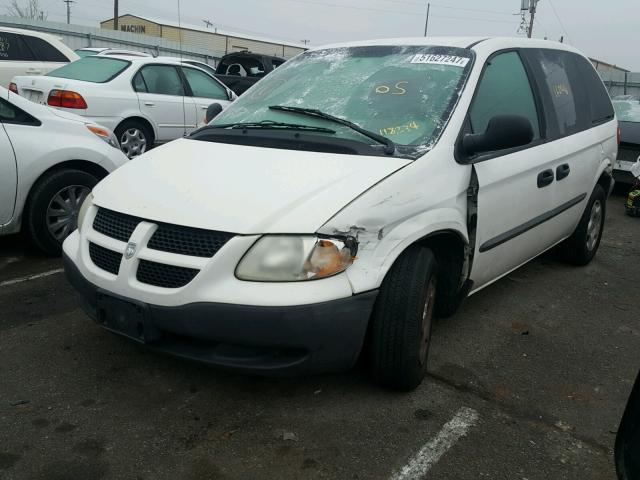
x=491 y=43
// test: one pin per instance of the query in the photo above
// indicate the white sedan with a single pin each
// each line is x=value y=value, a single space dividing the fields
x=143 y=100
x=49 y=162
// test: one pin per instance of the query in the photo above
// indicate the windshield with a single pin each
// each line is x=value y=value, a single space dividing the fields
x=627 y=110
x=85 y=53
x=405 y=94
x=92 y=69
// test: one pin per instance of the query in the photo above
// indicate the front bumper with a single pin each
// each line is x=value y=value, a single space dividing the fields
x=264 y=340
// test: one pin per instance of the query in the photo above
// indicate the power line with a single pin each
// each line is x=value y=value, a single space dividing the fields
x=558 y=18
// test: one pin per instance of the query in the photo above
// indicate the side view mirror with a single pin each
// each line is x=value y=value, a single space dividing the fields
x=503 y=132
x=213 y=111
x=232 y=95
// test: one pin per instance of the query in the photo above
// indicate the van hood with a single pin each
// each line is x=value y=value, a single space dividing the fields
x=240 y=189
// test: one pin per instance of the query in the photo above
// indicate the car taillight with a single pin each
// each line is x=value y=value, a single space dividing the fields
x=13 y=88
x=66 y=99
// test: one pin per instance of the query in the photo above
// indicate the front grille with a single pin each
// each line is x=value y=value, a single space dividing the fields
x=115 y=225
x=188 y=241
x=165 y=276
x=105 y=259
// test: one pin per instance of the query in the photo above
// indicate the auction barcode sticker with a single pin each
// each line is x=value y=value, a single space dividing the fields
x=434 y=59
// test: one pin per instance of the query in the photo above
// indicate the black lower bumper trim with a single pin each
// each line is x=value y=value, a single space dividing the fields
x=288 y=340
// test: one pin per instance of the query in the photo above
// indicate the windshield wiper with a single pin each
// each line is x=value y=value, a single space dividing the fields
x=389 y=149
x=270 y=125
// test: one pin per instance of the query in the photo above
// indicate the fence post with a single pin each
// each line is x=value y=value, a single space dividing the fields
x=89 y=40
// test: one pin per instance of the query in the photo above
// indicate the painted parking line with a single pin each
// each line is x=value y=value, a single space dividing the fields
x=28 y=278
x=433 y=450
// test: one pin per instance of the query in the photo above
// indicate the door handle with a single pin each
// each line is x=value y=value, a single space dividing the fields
x=545 y=178
x=150 y=104
x=563 y=171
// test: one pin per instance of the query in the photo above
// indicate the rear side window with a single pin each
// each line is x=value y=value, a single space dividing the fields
x=11 y=114
x=565 y=92
x=504 y=89
x=203 y=86
x=44 y=51
x=600 y=103
x=92 y=69
x=13 y=47
x=162 y=80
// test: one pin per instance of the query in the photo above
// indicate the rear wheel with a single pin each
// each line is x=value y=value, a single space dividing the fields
x=402 y=321
x=134 y=138
x=51 y=213
x=582 y=245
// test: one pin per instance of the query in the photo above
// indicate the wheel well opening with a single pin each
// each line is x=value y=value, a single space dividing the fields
x=143 y=121
x=605 y=182
x=450 y=251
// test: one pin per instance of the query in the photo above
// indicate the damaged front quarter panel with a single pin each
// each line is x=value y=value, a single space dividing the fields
x=410 y=205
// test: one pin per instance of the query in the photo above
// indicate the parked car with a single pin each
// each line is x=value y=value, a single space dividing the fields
x=104 y=51
x=628 y=112
x=49 y=162
x=27 y=52
x=348 y=198
x=143 y=100
x=241 y=70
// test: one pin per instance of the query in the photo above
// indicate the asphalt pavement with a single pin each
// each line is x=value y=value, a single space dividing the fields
x=527 y=381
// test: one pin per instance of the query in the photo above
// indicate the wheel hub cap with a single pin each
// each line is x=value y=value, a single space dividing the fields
x=427 y=318
x=63 y=209
x=595 y=225
x=133 y=142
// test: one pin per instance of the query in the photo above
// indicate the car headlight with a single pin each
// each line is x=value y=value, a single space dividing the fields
x=284 y=258
x=105 y=134
x=84 y=208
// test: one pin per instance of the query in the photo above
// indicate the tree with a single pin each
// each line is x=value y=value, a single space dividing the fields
x=29 y=9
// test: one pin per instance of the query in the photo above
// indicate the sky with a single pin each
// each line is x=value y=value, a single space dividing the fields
x=606 y=30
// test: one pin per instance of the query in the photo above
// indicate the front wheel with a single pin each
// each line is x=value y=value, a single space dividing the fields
x=402 y=321
x=582 y=245
x=52 y=211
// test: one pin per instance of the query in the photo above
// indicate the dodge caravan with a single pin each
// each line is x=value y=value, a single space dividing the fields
x=346 y=200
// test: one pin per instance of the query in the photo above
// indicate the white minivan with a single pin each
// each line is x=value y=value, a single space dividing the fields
x=27 y=52
x=347 y=199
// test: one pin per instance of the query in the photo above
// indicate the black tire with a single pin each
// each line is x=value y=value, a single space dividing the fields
x=580 y=248
x=397 y=334
x=134 y=126
x=35 y=218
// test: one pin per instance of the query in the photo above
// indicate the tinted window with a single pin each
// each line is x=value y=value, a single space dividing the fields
x=202 y=85
x=504 y=90
x=243 y=67
x=601 y=109
x=162 y=80
x=92 y=69
x=276 y=63
x=44 y=51
x=12 y=47
x=12 y=114
x=138 y=83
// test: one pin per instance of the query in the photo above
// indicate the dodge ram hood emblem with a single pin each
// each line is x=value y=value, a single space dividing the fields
x=130 y=251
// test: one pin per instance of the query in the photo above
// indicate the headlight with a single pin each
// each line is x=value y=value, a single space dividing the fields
x=83 y=210
x=283 y=258
x=105 y=134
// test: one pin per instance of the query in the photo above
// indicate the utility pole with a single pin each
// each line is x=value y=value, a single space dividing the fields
x=115 y=14
x=68 y=2
x=532 y=12
x=305 y=41
x=426 y=23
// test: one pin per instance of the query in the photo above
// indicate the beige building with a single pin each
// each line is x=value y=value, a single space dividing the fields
x=218 y=42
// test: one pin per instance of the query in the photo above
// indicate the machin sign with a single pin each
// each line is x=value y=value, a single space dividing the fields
x=134 y=28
